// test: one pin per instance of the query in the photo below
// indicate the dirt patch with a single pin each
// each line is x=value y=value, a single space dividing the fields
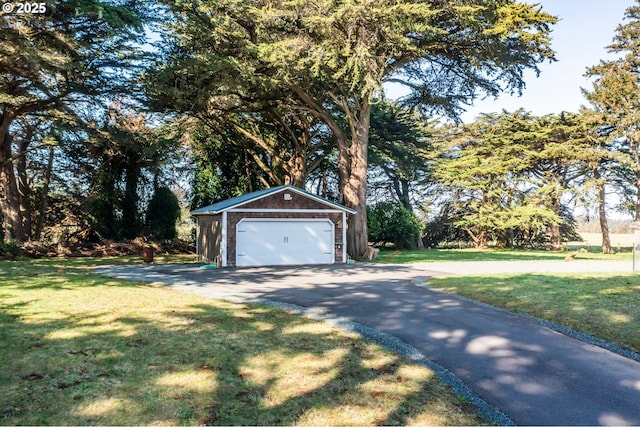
x=104 y=248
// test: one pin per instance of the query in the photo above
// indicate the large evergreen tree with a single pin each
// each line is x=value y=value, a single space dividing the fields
x=52 y=64
x=559 y=145
x=330 y=58
x=400 y=150
x=506 y=176
x=125 y=150
x=615 y=98
x=482 y=168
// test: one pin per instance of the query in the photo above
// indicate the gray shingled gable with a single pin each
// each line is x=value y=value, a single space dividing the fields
x=225 y=205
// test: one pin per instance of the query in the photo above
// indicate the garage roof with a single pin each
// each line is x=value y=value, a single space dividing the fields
x=235 y=202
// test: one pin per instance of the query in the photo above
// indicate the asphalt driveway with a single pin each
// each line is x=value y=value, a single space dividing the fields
x=535 y=375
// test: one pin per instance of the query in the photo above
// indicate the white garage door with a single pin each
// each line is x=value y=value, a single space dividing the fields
x=284 y=242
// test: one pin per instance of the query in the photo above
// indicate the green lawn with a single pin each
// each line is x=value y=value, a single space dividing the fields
x=432 y=255
x=81 y=349
x=606 y=306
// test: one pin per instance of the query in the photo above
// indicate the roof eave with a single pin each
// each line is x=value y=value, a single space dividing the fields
x=277 y=190
x=195 y=213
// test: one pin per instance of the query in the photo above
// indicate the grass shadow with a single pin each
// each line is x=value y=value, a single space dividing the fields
x=86 y=350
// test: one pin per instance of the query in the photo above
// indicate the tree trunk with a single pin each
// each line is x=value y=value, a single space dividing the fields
x=44 y=198
x=637 y=212
x=355 y=187
x=298 y=172
x=24 y=189
x=9 y=196
x=401 y=187
x=554 y=229
x=325 y=184
x=555 y=238
x=247 y=170
x=479 y=239
x=352 y=160
x=602 y=211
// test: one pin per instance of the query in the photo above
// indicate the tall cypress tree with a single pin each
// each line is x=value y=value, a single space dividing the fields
x=331 y=57
x=52 y=63
x=507 y=174
x=615 y=95
x=615 y=99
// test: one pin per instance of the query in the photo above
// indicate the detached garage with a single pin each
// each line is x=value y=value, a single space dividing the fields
x=277 y=226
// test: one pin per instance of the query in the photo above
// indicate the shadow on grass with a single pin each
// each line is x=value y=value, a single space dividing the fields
x=78 y=351
x=90 y=262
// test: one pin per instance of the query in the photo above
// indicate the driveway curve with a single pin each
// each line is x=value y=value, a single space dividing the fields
x=535 y=375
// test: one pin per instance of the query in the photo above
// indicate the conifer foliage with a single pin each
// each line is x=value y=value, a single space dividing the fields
x=54 y=65
x=615 y=101
x=329 y=58
x=506 y=176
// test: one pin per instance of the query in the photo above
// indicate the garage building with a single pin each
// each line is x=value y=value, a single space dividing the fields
x=277 y=226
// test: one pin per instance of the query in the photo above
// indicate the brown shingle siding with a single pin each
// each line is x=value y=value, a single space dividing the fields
x=277 y=201
x=209 y=235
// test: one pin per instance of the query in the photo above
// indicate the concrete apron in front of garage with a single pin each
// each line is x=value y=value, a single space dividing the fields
x=534 y=374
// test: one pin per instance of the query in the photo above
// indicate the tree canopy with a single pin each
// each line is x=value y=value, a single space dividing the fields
x=256 y=94
x=54 y=65
x=330 y=58
x=506 y=175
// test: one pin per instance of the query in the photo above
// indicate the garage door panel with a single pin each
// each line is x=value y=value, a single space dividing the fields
x=269 y=242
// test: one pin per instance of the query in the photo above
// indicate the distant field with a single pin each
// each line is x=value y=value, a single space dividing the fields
x=595 y=239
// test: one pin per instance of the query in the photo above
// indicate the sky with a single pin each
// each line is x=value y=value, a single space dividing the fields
x=580 y=38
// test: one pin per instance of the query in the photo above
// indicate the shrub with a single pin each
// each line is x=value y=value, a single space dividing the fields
x=393 y=223
x=441 y=230
x=9 y=250
x=162 y=214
